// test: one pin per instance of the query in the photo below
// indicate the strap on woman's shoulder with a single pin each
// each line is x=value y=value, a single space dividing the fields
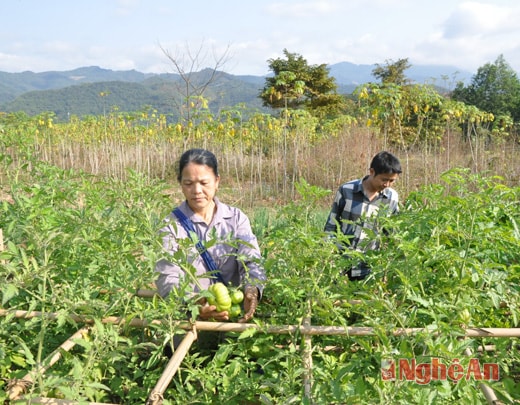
x=184 y=220
x=208 y=260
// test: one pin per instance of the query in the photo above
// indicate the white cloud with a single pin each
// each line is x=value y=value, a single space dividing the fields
x=127 y=33
x=299 y=9
x=125 y=7
x=59 y=47
x=479 y=19
x=474 y=34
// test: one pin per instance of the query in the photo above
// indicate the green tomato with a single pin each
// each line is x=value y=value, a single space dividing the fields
x=225 y=307
x=237 y=297
x=465 y=316
x=224 y=301
x=235 y=310
x=219 y=289
x=211 y=299
x=217 y=285
x=222 y=298
x=221 y=293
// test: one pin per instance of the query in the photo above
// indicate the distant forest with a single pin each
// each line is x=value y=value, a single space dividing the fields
x=96 y=91
x=157 y=93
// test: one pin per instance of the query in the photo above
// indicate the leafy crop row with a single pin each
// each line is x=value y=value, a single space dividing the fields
x=76 y=244
x=264 y=156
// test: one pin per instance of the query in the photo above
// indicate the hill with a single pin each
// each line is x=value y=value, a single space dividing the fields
x=15 y=84
x=102 y=91
x=351 y=75
x=78 y=92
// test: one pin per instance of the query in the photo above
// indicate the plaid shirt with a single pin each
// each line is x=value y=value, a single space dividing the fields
x=356 y=214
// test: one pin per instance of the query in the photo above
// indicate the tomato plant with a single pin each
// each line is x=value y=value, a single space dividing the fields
x=81 y=245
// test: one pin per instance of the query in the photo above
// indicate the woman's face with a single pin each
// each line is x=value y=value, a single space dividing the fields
x=199 y=185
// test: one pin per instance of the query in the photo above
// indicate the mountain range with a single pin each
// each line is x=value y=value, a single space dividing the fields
x=94 y=90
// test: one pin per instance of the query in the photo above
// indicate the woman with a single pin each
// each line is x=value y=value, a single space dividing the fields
x=199 y=179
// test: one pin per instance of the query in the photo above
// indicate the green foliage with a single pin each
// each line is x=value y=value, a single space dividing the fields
x=451 y=260
x=495 y=89
x=392 y=72
x=76 y=245
x=465 y=243
x=295 y=84
x=415 y=115
x=406 y=115
x=79 y=244
x=100 y=98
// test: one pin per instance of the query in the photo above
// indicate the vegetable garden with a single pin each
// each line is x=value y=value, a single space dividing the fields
x=79 y=243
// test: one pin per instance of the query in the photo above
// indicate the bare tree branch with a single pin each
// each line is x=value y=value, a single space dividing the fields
x=188 y=63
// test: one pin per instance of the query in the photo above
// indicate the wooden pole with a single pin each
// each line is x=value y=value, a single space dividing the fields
x=140 y=292
x=2 y=248
x=275 y=329
x=490 y=395
x=55 y=401
x=21 y=385
x=307 y=357
x=143 y=293
x=157 y=395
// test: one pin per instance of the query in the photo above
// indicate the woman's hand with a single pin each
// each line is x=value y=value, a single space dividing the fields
x=209 y=312
x=250 y=303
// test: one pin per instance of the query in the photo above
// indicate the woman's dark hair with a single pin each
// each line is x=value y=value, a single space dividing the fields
x=198 y=156
x=385 y=162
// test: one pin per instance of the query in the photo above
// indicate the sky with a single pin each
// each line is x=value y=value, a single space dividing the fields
x=241 y=36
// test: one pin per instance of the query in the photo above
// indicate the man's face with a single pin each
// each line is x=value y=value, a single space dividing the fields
x=383 y=180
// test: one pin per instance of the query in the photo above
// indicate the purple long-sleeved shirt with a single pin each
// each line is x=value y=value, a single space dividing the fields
x=239 y=263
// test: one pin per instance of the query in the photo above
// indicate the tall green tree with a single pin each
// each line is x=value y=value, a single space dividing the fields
x=495 y=89
x=392 y=72
x=296 y=84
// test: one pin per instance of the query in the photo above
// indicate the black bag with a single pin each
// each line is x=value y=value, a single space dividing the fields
x=358 y=272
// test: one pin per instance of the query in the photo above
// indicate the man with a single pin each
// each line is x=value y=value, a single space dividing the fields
x=357 y=205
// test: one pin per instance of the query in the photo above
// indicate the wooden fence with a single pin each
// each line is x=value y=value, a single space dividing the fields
x=17 y=388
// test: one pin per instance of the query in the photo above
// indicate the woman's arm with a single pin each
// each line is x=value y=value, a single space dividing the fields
x=253 y=273
x=169 y=273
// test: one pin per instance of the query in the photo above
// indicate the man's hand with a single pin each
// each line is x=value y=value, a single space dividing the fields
x=250 y=303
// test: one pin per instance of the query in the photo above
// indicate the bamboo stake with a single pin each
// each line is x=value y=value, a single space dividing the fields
x=148 y=293
x=275 y=329
x=140 y=292
x=81 y=319
x=332 y=348
x=157 y=395
x=491 y=398
x=307 y=357
x=56 y=401
x=2 y=248
x=20 y=385
x=339 y=303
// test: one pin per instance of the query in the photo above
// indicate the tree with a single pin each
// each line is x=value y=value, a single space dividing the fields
x=296 y=84
x=195 y=77
x=392 y=72
x=495 y=89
